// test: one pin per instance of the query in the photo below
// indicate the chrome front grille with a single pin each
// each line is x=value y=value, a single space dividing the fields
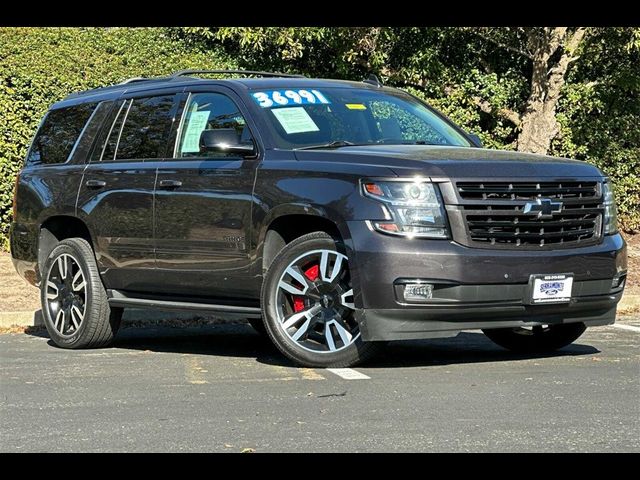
x=494 y=215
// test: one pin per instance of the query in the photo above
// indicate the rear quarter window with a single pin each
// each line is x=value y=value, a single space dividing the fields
x=59 y=132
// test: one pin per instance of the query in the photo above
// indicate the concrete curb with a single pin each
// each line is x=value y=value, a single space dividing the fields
x=20 y=319
x=628 y=304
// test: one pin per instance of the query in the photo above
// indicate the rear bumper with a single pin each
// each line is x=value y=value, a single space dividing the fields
x=474 y=288
x=23 y=243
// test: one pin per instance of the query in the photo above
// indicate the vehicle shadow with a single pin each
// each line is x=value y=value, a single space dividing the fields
x=224 y=340
x=240 y=340
x=467 y=347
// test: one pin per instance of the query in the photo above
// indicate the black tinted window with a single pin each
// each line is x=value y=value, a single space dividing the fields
x=58 y=134
x=92 y=128
x=113 y=133
x=146 y=128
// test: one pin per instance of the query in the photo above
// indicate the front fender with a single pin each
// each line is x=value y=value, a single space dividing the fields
x=321 y=189
x=301 y=208
x=312 y=188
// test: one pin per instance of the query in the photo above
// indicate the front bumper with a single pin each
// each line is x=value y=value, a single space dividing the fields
x=474 y=288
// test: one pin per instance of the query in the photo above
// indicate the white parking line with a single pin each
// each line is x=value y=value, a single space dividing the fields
x=627 y=327
x=349 y=374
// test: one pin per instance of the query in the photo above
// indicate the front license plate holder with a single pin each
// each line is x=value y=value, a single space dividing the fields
x=550 y=288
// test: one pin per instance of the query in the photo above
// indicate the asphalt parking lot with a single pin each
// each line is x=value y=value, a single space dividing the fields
x=223 y=388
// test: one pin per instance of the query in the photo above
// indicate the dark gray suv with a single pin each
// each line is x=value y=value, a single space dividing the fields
x=333 y=215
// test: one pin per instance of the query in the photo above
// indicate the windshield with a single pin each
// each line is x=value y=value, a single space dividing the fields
x=338 y=117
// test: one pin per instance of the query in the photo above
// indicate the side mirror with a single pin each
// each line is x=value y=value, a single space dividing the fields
x=225 y=140
x=475 y=139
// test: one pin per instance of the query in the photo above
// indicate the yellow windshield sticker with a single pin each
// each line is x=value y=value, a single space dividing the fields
x=355 y=106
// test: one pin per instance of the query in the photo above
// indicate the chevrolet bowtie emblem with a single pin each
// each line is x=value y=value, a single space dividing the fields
x=542 y=208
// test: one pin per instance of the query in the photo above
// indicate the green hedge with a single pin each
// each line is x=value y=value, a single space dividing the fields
x=39 y=66
x=598 y=114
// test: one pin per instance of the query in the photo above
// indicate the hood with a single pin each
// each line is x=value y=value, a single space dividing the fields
x=454 y=162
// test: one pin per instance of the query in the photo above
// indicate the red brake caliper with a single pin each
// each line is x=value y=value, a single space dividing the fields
x=312 y=274
x=298 y=304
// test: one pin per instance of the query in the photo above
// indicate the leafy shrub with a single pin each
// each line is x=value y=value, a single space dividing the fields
x=39 y=66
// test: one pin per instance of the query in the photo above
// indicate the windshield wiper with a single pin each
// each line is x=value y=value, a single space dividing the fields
x=345 y=143
x=334 y=144
x=417 y=142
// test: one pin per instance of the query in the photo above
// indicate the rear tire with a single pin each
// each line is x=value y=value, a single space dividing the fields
x=536 y=339
x=309 y=314
x=74 y=301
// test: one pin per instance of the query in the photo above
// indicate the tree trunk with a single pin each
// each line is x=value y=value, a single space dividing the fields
x=538 y=126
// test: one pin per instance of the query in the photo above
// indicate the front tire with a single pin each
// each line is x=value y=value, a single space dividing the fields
x=307 y=304
x=74 y=301
x=536 y=339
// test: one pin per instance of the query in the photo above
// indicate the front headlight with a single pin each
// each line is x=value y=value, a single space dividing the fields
x=415 y=208
x=610 y=211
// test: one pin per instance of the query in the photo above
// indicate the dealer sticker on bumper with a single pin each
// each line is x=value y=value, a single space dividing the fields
x=551 y=288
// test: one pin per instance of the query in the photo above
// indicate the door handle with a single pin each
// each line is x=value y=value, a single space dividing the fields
x=169 y=184
x=95 y=183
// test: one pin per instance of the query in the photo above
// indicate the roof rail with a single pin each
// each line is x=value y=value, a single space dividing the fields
x=182 y=73
x=134 y=79
x=179 y=74
x=117 y=85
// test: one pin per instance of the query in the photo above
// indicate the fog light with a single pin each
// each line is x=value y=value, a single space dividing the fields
x=418 y=292
x=618 y=281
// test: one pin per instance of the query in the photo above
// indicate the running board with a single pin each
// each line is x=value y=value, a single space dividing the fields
x=120 y=299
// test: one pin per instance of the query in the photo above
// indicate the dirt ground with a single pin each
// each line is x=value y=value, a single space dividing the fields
x=17 y=295
x=633 y=259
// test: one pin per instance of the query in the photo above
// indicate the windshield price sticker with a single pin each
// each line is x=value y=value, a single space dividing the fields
x=295 y=120
x=281 y=98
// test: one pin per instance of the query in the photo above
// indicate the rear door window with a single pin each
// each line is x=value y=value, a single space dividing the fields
x=146 y=128
x=140 y=129
x=113 y=134
x=58 y=134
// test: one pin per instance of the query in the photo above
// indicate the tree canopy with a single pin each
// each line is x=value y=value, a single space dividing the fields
x=566 y=91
